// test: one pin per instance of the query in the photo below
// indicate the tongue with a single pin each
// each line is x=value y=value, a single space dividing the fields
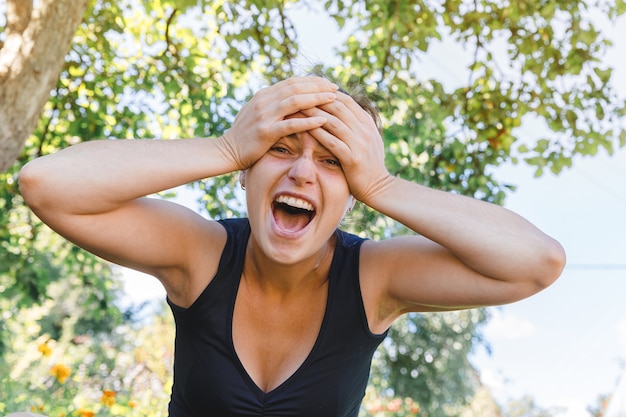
x=290 y=222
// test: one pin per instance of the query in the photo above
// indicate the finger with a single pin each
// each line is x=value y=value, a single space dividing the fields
x=297 y=93
x=296 y=86
x=295 y=103
x=334 y=123
x=294 y=125
x=332 y=143
x=349 y=110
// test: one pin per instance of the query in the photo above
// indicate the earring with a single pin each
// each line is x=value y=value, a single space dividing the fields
x=243 y=187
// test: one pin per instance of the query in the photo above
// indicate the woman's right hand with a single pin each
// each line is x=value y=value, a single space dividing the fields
x=262 y=121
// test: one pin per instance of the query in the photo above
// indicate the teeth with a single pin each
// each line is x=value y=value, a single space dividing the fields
x=295 y=202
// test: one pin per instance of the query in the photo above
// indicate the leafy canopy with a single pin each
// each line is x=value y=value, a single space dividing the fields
x=169 y=69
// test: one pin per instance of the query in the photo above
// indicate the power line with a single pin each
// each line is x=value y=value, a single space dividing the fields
x=615 y=267
x=618 y=195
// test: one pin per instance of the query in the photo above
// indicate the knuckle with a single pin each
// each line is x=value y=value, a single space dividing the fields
x=292 y=102
x=295 y=89
x=264 y=131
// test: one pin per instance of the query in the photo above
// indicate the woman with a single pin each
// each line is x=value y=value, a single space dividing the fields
x=279 y=314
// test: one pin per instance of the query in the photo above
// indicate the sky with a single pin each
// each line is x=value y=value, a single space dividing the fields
x=566 y=345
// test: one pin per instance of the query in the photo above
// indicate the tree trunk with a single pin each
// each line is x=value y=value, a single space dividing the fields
x=37 y=40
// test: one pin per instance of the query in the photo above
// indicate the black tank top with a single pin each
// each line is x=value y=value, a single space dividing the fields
x=209 y=379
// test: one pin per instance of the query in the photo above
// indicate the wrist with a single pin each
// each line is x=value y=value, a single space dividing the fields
x=229 y=153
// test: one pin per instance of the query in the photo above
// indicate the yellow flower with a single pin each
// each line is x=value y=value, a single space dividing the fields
x=44 y=349
x=82 y=412
x=60 y=372
x=108 y=398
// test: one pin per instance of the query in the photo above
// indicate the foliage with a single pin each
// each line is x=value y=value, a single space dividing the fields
x=599 y=408
x=168 y=69
x=526 y=407
x=377 y=405
x=539 y=58
x=126 y=373
x=426 y=358
x=38 y=266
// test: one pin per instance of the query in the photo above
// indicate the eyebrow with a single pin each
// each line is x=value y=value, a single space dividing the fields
x=294 y=137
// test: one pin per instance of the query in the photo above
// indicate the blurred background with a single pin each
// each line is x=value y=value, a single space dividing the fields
x=517 y=104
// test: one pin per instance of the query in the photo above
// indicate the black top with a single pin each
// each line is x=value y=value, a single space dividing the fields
x=209 y=379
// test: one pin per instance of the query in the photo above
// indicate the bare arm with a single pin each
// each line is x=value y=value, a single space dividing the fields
x=470 y=253
x=94 y=193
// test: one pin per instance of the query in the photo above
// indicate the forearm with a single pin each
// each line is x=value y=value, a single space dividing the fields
x=97 y=176
x=488 y=238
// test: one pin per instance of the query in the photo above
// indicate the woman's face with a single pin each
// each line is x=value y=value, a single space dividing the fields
x=296 y=194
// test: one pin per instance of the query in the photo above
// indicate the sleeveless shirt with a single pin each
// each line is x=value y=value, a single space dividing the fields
x=210 y=380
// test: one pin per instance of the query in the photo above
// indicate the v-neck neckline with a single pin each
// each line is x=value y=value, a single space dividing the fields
x=310 y=356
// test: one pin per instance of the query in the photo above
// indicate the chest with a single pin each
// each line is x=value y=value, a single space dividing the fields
x=274 y=336
x=219 y=366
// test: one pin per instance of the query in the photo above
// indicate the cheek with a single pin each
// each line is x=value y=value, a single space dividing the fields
x=338 y=196
x=340 y=186
x=257 y=176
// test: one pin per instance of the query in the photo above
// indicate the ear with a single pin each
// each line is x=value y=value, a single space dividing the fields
x=350 y=204
x=242 y=179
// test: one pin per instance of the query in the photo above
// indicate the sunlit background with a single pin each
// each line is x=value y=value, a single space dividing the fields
x=566 y=346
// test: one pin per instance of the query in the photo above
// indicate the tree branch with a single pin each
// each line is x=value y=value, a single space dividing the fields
x=283 y=20
x=168 y=40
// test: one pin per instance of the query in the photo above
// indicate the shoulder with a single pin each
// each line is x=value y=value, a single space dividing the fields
x=235 y=226
x=348 y=240
x=211 y=238
x=382 y=262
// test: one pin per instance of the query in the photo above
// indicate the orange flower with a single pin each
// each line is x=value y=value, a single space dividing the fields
x=60 y=372
x=394 y=405
x=132 y=404
x=82 y=412
x=108 y=398
x=44 y=349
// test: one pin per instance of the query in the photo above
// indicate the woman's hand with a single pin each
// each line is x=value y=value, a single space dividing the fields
x=262 y=121
x=352 y=136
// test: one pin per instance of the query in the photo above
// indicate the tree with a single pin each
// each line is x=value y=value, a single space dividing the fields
x=526 y=407
x=167 y=69
x=36 y=38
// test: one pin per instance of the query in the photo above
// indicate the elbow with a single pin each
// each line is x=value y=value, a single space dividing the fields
x=553 y=259
x=31 y=184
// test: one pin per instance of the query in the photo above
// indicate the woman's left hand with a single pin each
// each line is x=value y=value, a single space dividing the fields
x=352 y=136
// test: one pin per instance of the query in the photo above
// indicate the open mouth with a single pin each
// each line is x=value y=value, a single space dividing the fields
x=292 y=214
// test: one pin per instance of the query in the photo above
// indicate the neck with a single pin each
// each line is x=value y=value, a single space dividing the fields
x=274 y=277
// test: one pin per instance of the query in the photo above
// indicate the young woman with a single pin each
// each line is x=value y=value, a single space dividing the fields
x=279 y=314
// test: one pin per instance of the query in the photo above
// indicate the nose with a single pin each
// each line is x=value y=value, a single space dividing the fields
x=302 y=171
